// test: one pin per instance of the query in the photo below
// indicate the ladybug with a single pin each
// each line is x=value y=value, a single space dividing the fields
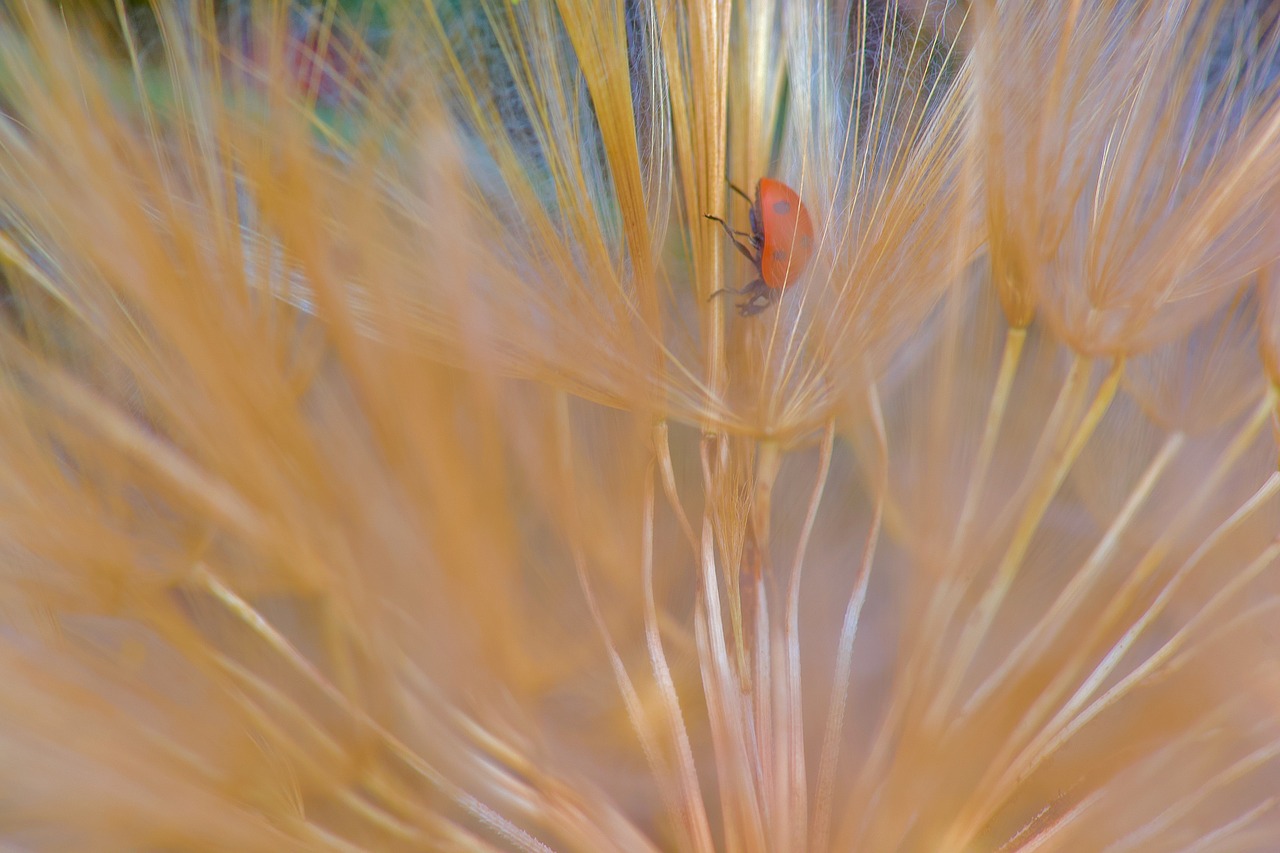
x=779 y=244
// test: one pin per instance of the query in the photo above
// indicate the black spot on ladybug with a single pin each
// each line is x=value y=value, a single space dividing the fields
x=779 y=255
x=782 y=207
x=805 y=241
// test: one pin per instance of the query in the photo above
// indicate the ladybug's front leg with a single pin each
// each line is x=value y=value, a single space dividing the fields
x=745 y=250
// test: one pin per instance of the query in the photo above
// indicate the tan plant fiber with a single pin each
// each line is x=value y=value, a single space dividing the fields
x=377 y=471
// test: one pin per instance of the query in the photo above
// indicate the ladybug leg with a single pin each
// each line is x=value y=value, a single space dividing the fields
x=756 y=237
x=755 y=262
x=734 y=231
x=716 y=293
x=740 y=192
x=759 y=297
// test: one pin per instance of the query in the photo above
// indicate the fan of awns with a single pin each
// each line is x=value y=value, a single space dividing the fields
x=640 y=425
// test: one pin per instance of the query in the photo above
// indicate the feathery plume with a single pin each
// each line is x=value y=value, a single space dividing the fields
x=379 y=471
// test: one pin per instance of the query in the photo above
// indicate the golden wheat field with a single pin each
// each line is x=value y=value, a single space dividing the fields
x=380 y=469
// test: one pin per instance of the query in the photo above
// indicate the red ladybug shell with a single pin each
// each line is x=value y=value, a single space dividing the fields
x=786 y=230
